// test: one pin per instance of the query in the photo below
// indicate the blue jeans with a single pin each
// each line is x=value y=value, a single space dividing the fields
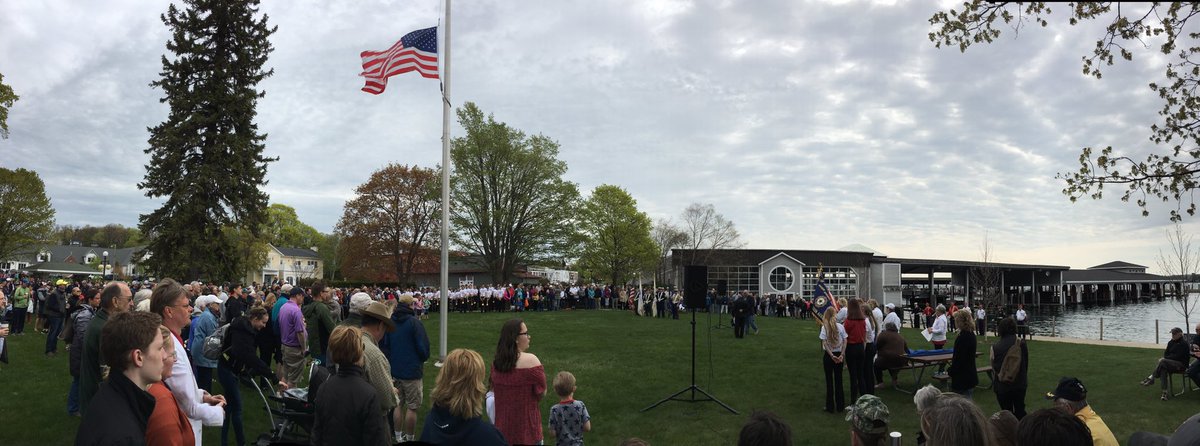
x=233 y=406
x=55 y=325
x=204 y=378
x=750 y=322
x=73 y=396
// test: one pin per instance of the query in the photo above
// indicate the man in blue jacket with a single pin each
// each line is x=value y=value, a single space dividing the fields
x=407 y=349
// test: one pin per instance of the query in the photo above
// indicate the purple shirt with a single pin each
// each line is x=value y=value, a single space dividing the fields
x=291 y=324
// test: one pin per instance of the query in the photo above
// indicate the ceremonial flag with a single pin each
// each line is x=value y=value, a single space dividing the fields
x=822 y=298
x=416 y=51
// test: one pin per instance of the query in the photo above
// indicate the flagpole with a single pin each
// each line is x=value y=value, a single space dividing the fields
x=445 y=75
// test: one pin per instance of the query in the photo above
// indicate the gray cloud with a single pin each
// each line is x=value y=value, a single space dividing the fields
x=810 y=125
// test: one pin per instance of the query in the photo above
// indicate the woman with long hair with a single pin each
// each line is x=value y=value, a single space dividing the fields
x=456 y=417
x=856 y=338
x=833 y=343
x=963 y=377
x=347 y=409
x=519 y=382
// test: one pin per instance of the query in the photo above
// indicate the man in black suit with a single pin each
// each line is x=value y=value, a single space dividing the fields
x=741 y=310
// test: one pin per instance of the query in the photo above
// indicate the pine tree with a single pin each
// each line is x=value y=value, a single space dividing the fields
x=207 y=157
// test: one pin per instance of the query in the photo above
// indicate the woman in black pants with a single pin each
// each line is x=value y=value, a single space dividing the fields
x=833 y=343
x=239 y=359
x=963 y=377
x=856 y=349
x=1010 y=395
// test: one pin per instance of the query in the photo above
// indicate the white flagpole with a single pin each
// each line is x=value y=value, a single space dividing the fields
x=445 y=75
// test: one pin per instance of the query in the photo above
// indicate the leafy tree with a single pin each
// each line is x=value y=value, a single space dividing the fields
x=7 y=99
x=207 y=157
x=26 y=217
x=1168 y=175
x=284 y=228
x=666 y=236
x=617 y=236
x=511 y=204
x=330 y=246
x=112 y=235
x=393 y=222
x=707 y=231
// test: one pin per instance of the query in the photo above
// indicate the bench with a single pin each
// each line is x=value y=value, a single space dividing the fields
x=944 y=378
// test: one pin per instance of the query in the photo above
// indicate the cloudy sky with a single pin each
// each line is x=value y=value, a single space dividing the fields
x=811 y=125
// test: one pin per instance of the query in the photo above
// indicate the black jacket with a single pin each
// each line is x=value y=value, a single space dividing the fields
x=1177 y=350
x=234 y=307
x=347 y=413
x=56 y=305
x=962 y=366
x=242 y=344
x=999 y=352
x=123 y=420
x=442 y=428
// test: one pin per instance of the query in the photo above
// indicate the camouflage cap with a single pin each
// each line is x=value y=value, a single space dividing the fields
x=868 y=415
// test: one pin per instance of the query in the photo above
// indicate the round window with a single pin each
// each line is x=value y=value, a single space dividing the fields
x=780 y=278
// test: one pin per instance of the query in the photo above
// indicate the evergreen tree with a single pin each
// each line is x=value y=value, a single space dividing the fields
x=207 y=157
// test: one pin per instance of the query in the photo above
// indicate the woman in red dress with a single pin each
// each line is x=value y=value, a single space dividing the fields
x=519 y=382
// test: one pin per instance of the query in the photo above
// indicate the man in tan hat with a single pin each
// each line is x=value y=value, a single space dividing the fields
x=377 y=320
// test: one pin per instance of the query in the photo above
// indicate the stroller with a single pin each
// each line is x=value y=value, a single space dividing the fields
x=294 y=407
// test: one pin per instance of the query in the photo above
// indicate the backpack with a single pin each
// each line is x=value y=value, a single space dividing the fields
x=1012 y=364
x=214 y=344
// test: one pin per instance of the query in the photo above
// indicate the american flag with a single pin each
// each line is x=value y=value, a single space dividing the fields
x=416 y=51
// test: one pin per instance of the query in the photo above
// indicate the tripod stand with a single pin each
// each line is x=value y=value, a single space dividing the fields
x=692 y=388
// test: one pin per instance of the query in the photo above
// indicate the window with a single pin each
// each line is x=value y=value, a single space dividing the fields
x=841 y=281
x=737 y=278
x=780 y=278
x=43 y=257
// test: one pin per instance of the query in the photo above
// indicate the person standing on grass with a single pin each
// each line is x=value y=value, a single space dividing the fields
x=170 y=301
x=293 y=337
x=73 y=336
x=981 y=321
x=239 y=360
x=856 y=338
x=115 y=298
x=318 y=322
x=519 y=382
x=1010 y=396
x=1022 y=318
x=938 y=328
x=55 y=310
x=203 y=326
x=167 y=425
x=347 y=409
x=833 y=343
x=134 y=349
x=407 y=349
x=569 y=419
x=963 y=377
x=21 y=297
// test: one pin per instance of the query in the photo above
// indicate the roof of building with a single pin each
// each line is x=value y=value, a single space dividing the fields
x=1109 y=276
x=77 y=254
x=60 y=268
x=971 y=263
x=1117 y=264
x=298 y=252
x=855 y=247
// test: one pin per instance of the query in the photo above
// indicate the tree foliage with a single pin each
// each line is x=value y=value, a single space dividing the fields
x=707 y=231
x=7 y=98
x=393 y=224
x=510 y=200
x=1169 y=175
x=207 y=157
x=112 y=235
x=26 y=217
x=617 y=241
x=284 y=228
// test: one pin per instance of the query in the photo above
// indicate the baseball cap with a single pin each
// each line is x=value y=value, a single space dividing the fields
x=1187 y=434
x=206 y=299
x=868 y=415
x=1070 y=389
x=892 y=306
x=295 y=291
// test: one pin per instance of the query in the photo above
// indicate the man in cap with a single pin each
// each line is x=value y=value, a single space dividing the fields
x=293 y=337
x=1175 y=359
x=891 y=316
x=202 y=326
x=868 y=419
x=1071 y=396
x=377 y=321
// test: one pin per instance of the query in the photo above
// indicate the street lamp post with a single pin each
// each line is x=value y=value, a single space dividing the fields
x=105 y=253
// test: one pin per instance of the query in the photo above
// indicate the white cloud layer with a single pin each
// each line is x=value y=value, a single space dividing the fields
x=810 y=125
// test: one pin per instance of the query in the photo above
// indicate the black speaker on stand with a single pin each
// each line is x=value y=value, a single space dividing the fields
x=695 y=285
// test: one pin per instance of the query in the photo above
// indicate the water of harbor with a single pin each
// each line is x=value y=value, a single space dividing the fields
x=1132 y=321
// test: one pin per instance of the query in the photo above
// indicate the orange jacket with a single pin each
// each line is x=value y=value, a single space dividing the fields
x=168 y=426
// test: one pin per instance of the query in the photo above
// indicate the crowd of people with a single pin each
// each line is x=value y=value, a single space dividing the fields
x=154 y=372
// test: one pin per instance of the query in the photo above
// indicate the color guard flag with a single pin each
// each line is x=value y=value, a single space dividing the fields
x=822 y=298
x=416 y=51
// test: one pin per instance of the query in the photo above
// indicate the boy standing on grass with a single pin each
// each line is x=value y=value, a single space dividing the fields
x=569 y=418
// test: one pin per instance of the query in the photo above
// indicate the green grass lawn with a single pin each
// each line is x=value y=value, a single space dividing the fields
x=624 y=363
